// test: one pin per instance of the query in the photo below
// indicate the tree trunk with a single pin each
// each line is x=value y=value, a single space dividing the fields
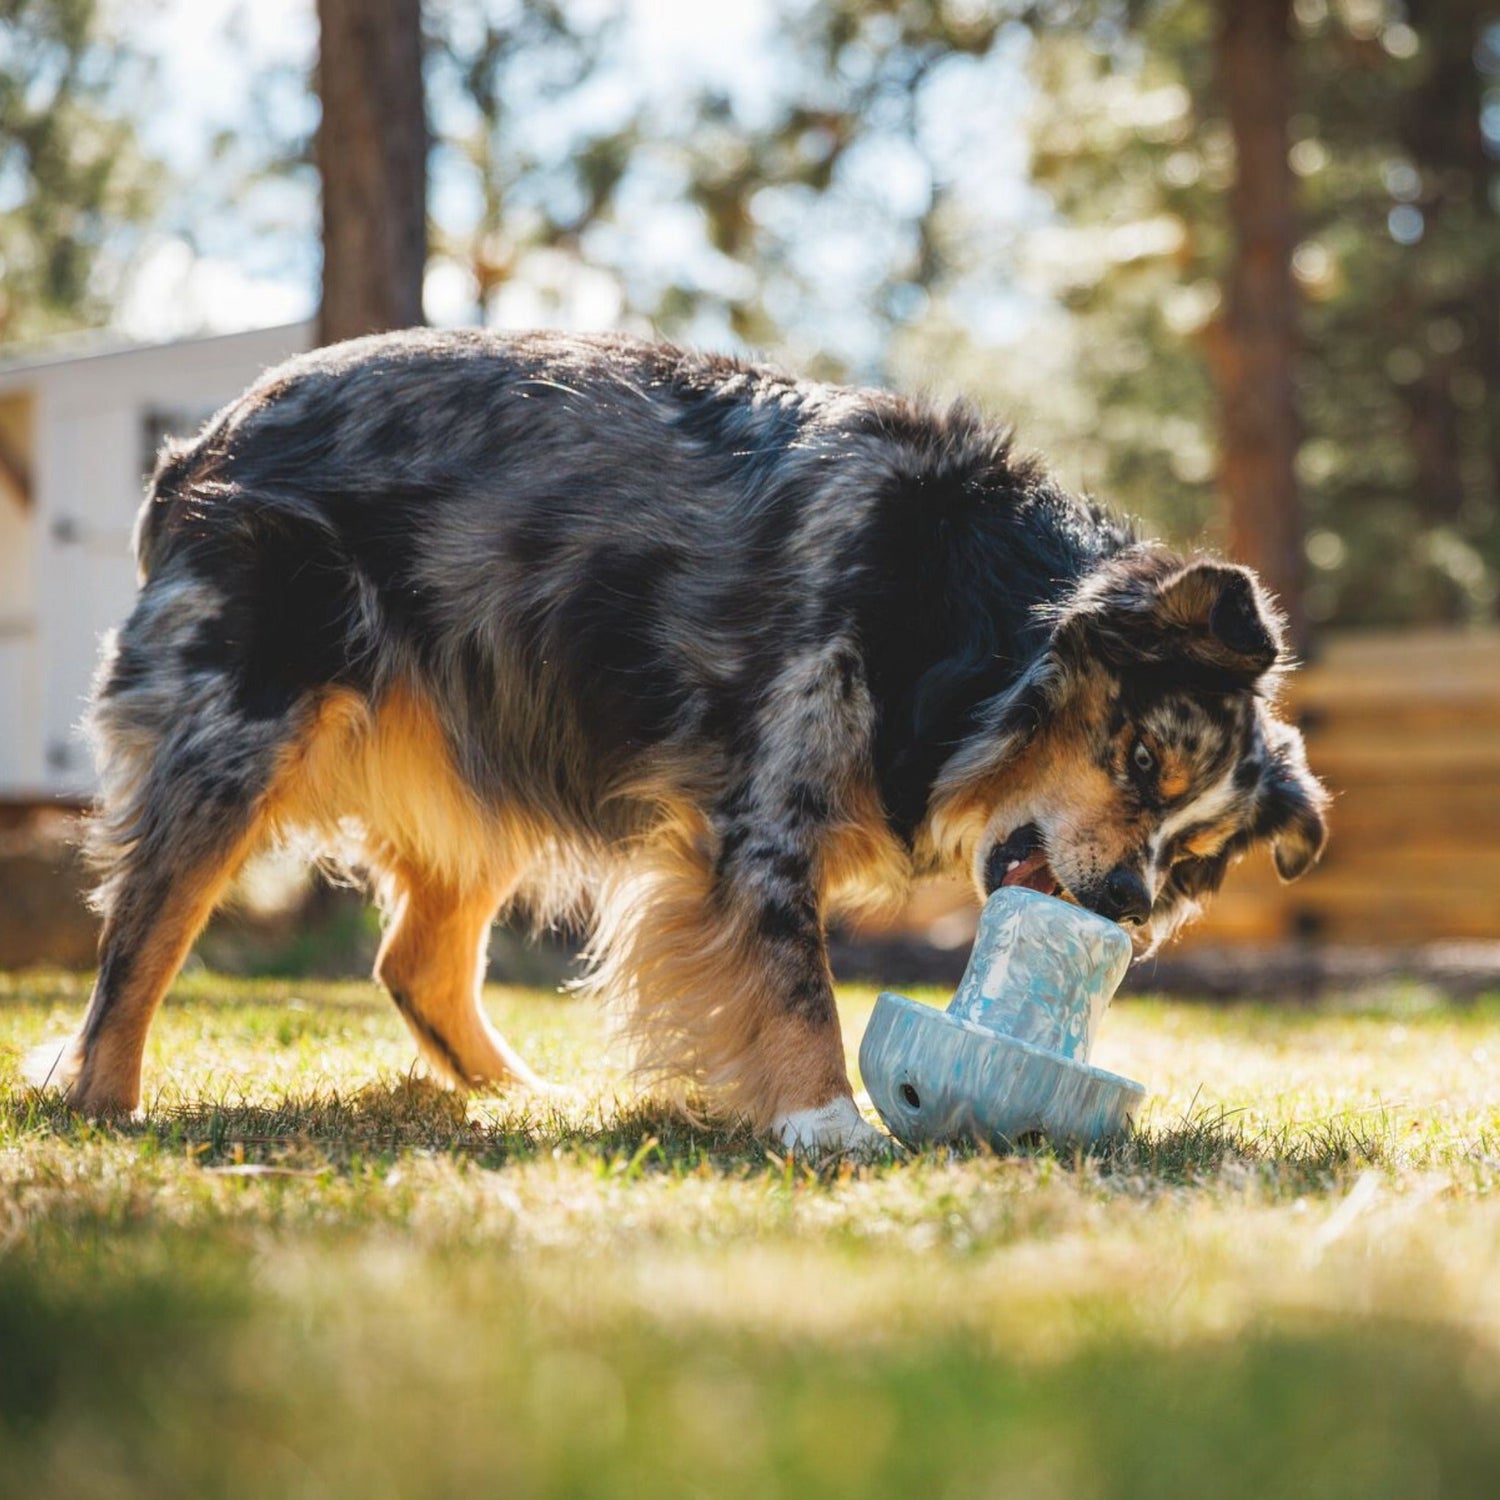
x=372 y=157
x=1256 y=339
x=1442 y=133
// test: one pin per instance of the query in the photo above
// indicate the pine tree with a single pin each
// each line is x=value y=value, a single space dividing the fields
x=1254 y=347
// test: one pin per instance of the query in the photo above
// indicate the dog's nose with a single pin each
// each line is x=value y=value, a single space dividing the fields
x=1124 y=898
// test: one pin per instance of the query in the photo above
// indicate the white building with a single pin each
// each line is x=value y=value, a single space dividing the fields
x=78 y=437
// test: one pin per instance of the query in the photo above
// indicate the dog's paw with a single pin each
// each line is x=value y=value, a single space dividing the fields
x=833 y=1129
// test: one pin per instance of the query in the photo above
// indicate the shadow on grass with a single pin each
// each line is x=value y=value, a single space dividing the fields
x=1212 y=1141
x=334 y=1131
x=374 y=1125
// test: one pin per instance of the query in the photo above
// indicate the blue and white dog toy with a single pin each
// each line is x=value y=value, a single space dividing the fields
x=1008 y=1059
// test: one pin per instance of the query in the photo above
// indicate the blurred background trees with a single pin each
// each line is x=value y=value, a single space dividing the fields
x=76 y=187
x=1035 y=204
x=1394 y=137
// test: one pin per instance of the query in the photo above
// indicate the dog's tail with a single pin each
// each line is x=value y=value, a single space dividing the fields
x=185 y=469
x=176 y=465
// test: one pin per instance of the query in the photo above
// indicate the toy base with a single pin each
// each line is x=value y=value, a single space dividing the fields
x=936 y=1079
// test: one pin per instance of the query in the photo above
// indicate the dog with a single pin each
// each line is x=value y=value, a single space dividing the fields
x=677 y=642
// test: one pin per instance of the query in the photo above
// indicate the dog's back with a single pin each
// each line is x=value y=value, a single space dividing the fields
x=588 y=550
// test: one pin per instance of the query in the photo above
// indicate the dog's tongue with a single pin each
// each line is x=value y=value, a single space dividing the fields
x=1033 y=872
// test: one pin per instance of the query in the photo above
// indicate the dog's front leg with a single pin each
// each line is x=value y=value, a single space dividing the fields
x=767 y=882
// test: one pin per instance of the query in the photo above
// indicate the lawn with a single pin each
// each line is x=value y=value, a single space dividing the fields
x=308 y=1273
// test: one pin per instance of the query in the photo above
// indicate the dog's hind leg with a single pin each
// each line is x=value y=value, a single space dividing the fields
x=432 y=963
x=186 y=784
x=162 y=902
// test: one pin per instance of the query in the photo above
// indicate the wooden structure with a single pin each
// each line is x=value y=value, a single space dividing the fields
x=1405 y=730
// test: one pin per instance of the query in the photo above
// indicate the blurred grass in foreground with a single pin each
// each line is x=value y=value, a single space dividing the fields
x=308 y=1273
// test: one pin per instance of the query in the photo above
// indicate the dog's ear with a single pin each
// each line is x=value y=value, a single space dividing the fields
x=1291 y=806
x=1211 y=618
x=1220 y=615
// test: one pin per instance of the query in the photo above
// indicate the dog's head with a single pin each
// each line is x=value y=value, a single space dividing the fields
x=1139 y=753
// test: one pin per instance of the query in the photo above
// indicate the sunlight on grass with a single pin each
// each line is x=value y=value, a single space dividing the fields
x=309 y=1271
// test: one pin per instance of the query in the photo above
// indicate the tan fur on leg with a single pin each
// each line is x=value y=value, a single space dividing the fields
x=432 y=962
x=146 y=937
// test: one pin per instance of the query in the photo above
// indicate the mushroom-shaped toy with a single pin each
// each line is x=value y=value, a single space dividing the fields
x=1008 y=1060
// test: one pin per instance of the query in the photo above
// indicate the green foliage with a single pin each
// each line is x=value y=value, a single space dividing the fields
x=1399 y=266
x=821 y=199
x=74 y=184
x=1137 y=179
x=824 y=195
x=796 y=199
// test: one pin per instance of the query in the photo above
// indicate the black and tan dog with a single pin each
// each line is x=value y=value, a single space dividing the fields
x=679 y=643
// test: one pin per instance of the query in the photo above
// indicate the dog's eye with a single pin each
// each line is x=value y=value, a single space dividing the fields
x=1142 y=759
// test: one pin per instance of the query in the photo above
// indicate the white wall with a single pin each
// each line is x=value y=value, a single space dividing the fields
x=19 y=748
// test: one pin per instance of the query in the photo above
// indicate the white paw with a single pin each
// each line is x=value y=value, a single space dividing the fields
x=835 y=1128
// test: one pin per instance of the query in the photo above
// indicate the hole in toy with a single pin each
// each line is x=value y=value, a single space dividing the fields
x=911 y=1096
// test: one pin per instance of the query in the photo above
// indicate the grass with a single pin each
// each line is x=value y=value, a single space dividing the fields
x=308 y=1273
